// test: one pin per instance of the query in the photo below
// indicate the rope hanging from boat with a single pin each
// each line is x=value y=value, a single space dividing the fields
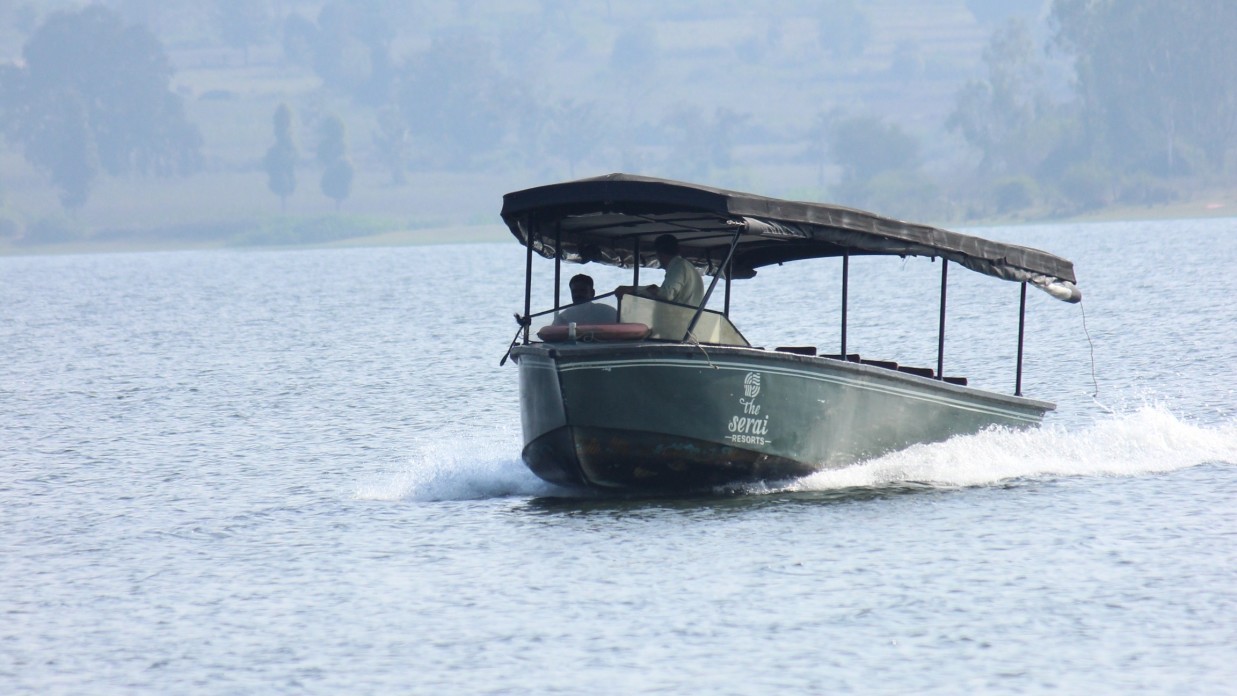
x=1094 y=382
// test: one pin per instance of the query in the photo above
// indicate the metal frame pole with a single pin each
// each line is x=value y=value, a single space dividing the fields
x=528 y=278
x=635 y=278
x=940 y=343
x=845 y=296
x=739 y=229
x=726 y=309
x=1022 y=322
x=558 y=262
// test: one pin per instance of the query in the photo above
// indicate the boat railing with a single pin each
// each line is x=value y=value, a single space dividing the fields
x=546 y=317
x=668 y=321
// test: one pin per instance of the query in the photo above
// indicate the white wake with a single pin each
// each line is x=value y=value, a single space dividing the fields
x=487 y=466
x=1148 y=440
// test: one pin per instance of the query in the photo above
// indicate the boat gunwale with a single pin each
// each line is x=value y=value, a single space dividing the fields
x=582 y=352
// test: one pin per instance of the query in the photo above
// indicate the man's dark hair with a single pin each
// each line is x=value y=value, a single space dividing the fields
x=666 y=244
x=581 y=286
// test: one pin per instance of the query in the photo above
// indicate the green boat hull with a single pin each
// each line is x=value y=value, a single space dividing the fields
x=673 y=417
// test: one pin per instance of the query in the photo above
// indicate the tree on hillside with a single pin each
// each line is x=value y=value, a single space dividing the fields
x=352 y=48
x=393 y=143
x=88 y=78
x=864 y=146
x=702 y=144
x=280 y=160
x=1008 y=115
x=1157 y=81
x=337 y=180
x=64 y=144
x=332 y=140
x=459 y=104
x=574 y=131
x=333 y=156
x=880 y=168
x=817 y=147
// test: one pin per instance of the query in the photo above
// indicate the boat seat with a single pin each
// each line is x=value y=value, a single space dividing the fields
x=887 y=364
x=668 y=321
x=850 y=357
x=797 y=350
x=920 y=371
x=960 y=381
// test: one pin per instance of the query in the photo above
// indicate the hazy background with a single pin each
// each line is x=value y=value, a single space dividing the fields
x=207 y=122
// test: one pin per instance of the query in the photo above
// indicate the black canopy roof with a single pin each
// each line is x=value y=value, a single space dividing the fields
x=606 y=219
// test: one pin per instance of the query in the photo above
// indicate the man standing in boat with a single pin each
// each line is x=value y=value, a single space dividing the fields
x=583 y=310
x=682 y=283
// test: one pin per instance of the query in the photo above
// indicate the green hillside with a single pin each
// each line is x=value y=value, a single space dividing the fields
x=448 y=105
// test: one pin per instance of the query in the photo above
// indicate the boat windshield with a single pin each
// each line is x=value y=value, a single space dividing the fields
x=669 y=321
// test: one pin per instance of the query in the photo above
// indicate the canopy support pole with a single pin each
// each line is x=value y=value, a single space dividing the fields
x=1022 y=322
x=738 y=232
x=845 y=296
x=635 y=276
x=528 y=279
x=558 y=261
x=940 y=341
x=726 y=309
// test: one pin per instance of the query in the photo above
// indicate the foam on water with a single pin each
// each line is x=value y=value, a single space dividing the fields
x=480 y=468
x=1148 y=440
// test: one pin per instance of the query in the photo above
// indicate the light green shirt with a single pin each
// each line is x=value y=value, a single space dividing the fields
x=682 y=284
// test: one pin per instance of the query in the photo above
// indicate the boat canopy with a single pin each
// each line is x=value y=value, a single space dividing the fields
x=613 y=219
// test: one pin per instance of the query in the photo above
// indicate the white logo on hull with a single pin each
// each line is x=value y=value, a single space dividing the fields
x=751 y=385
x=749 y=428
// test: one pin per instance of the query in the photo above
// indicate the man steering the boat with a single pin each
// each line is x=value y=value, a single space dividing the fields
x=583 y=310
x=682 y=283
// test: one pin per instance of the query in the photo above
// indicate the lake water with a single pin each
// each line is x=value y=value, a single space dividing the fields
x=298 y=472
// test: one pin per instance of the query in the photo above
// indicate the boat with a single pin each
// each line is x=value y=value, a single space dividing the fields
x=674 y=397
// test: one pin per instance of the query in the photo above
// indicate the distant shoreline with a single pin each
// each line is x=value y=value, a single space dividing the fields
x=143 y=241
x=457 y=234
x=1210 y=207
